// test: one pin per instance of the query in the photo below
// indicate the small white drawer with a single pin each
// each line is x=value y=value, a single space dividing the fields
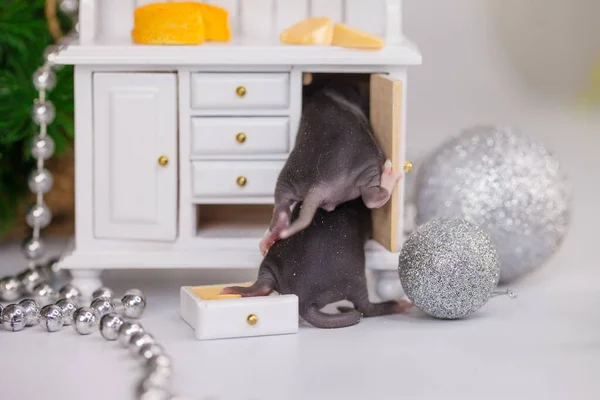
x=237 y=136
x=217 y=91
x=220 y=317
x=235 y=178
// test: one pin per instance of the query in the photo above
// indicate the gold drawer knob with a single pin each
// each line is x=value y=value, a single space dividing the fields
x=241 y=181
x=252 y=319
x=408 y=166
x=240 y=137
x=163 y=161
x=240 y=91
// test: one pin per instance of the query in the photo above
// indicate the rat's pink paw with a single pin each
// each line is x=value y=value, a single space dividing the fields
x=402 y=306
x=389 y=178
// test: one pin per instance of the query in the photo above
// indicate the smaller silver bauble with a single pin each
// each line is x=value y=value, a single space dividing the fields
x=44 y=79
x=103 y=293
x=84 y=320
x=150 y=351
x=14 y=318
x=57 y=275
x=102 y=306
x=32 y=248
x=109 y=326
x=161 y=362
x=127 y=330
x=138 y=340
x=42 y=147
x=67 y=306
x=44 y=294
x=29 y=279
x=10 y=288
x=133 y=305
x=38 y=215
x=69 y=291
x=51 y=318
x=43 y=112
x=40 y=181
x=70 y=7
x=32 y=311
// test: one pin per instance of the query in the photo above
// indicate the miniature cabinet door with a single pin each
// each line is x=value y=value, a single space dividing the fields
x=135 y=156
x=386 y=107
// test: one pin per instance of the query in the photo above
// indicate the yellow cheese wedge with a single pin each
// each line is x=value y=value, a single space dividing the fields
x=346 y=36
x=311 y=31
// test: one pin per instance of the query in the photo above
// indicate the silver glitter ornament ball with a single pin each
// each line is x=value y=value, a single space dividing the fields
x=32 y=248
x=139 y=340
x=133 y=304
x=14 y=318
x=40 y=181
x=51 y=318
x=84 y=320
x=44 y=294
x=449 y=268
x=110 y=325
x=506 y=183
x=43 y=112
x=10 y=288
x=67 y=306
x=29 y=279
x=127 y=330
x=103 y=293
x=69 y=291
x=42 y=147
x=32 y=311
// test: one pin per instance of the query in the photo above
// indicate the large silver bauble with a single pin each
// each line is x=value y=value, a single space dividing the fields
x=69 y=291
x=29 y=279
x=38 y=215
x=133 y=305
x=40 y=181
x=127 y=330
x=84 y=320
x=32 y=248
x=42 y=147
x=102 y=306
x=44 y=294
x=51 y=318
x=44 y=79
x=67 y=306
x=506 y=183
x=138 y=340
x=14 y=318
x=109 y=326
x=10 y=288
x=449 y=268
x=103 y=293
x=32 y=311
x=43 y=112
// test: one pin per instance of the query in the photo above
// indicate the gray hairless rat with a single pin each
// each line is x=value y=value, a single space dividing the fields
x=336 y=158
x=323 y=264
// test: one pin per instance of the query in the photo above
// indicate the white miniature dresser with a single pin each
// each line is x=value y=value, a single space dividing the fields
x=178 y=148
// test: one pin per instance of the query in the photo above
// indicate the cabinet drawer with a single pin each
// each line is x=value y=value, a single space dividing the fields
x=239 y=136
x=216 y=91
x=235 y=178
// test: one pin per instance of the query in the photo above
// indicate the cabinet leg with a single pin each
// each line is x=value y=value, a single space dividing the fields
x=86 y=281
x=387 y=285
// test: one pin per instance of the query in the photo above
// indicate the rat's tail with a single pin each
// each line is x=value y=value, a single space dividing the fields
x=319 y=319
x=308 y=209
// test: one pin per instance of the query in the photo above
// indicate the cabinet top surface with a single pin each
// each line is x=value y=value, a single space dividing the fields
x=236 y=52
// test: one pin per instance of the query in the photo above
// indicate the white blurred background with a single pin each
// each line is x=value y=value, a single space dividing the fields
x=514 y=62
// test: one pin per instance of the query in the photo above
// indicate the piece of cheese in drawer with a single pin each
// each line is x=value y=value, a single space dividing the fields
x=234 y=179
x=240 y=91
x=239 y=135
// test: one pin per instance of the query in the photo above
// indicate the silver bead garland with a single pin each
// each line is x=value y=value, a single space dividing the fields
x=53 y=309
